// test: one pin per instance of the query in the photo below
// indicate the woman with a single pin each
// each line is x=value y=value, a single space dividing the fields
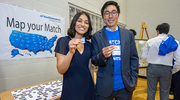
x=73 y=60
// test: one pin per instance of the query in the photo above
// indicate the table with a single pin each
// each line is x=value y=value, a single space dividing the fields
x=50 y=86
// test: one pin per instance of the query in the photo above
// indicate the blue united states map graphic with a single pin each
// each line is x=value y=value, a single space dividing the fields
x=31 y=42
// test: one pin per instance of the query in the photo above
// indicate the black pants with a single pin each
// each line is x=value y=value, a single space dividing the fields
x=176 y=82
x=122 y=94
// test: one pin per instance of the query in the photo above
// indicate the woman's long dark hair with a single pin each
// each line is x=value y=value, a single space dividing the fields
x=72 y=32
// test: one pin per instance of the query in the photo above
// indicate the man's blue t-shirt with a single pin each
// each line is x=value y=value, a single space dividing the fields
x=114 y=38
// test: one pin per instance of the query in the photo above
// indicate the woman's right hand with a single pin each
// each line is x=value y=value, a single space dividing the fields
x=73 y=45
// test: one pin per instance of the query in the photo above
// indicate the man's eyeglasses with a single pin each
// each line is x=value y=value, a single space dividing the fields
x=113 y=13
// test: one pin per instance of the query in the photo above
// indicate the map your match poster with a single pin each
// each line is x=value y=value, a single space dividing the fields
x=27 y=33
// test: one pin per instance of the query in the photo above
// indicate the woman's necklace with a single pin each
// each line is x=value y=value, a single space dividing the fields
x=80 y=48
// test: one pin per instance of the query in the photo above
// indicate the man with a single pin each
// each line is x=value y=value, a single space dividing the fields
x=176 y=80
x=134 y=32
x=114 y=51
x=160 y=52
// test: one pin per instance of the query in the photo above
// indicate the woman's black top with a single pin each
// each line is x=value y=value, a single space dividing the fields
x=77 y=81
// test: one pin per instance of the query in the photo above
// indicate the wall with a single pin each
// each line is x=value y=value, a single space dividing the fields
x=20 y=73
x=153 y=13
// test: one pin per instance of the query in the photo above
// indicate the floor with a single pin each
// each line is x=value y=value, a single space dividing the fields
x=140 y=92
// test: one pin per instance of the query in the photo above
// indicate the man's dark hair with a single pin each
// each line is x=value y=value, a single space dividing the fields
x=163 y=28
x=72 y=32
x=134 y=32
x=110 y=3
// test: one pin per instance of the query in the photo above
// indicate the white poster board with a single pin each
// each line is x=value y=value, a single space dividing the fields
x=27 y=33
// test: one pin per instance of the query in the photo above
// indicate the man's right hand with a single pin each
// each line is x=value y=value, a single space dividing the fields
x=107 y=51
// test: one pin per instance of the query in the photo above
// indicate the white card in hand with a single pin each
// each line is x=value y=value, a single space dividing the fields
x=83 y=39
